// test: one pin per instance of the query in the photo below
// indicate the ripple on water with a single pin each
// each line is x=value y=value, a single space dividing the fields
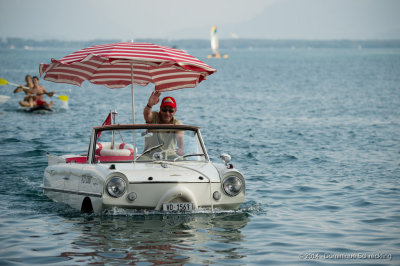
x=378 y=220
x=31 y=153
x=284 y=158
x=362 y=203
x=250 y=155
x=9 y=140
x=318 y=160
x=304 y=188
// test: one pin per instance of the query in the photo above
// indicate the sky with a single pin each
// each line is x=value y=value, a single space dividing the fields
x=186 y=19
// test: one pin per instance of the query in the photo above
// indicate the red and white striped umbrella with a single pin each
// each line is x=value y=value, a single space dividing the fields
x=120 y=64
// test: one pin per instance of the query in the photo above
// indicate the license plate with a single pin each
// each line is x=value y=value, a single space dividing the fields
x=178 y=207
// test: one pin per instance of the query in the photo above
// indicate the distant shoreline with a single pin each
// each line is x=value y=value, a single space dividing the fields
x=21 y=43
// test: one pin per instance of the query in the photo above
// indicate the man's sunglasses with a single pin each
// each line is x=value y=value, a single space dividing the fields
x=170 y=110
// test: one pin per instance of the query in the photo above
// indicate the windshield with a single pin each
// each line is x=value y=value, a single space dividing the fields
x=151 y=145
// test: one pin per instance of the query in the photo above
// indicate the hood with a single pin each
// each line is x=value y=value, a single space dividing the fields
x=193 y=172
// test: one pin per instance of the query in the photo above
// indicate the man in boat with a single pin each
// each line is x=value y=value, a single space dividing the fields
x=164 y=116
x=36 y=95
x=28 y=86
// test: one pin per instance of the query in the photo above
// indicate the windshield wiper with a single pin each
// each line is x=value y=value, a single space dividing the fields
x=149 y=150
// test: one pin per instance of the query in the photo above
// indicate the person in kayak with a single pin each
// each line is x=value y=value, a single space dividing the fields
x=25 y=88
x=164 y=116
x=36 y=95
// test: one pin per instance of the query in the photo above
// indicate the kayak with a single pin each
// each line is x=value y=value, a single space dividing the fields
x=4 y=98
x=38 y=109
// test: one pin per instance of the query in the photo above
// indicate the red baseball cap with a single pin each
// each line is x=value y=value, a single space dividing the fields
x=168 y=101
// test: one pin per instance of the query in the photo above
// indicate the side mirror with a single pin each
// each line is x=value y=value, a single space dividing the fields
x=226 y=158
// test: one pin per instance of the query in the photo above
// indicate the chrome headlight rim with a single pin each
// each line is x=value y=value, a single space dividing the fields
x=116 y=186
x=230 y=184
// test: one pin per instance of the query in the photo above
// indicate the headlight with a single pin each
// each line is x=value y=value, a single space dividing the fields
x=116 y=187
x=232 y=185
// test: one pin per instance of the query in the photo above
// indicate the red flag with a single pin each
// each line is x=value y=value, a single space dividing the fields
x=106 y=122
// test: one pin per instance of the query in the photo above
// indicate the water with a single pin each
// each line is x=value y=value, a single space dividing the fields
x=315 y=132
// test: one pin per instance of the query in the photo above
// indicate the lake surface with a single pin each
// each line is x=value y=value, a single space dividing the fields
x=314 y=131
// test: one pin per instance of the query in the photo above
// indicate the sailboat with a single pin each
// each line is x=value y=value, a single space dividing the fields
x=215 y=44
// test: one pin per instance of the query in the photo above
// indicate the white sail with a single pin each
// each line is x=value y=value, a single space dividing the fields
x=214 y=40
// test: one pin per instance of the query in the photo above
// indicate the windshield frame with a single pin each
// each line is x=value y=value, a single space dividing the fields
x=98 y=129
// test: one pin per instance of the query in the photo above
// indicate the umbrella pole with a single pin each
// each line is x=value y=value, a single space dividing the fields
x=133 y=115
x=133 y=96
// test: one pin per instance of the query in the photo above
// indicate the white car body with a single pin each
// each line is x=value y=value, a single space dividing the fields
x=113 y=174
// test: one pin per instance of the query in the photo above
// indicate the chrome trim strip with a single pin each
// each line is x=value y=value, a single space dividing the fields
x=170 y=182
x=90 y=194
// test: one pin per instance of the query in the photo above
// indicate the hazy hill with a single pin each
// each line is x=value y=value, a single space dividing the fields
x=19 y=43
